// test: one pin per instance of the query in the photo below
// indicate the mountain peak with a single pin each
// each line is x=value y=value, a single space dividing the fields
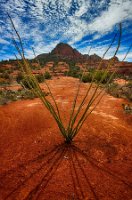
x=65 y=50
x=62 y=44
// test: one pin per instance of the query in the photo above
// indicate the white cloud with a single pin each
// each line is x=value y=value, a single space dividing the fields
x=118 y=11
x=99 y=50
x=51 y=21
x=51 y=12
x=84 y=5
x=3 y=41
x=41 y=48
x=122 y=55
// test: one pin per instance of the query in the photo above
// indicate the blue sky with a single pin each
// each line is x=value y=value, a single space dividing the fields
x=42 y=24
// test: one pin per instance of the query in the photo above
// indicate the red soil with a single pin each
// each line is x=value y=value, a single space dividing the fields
x=11 y=87
x=36 y=164
x=121 y=82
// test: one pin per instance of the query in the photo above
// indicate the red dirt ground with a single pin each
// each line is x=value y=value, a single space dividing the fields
x=36 y=164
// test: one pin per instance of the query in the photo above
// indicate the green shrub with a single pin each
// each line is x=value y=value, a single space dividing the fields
x=2 y=70
x=118 y=91
x=26 y=94
x=40 y=78
x=47 y=75
x=87 y=78
x=27 y=83
x=74 y=71
x=7 y=96
x=97 y=76
x=5 y=75
x=103 y=77
x=19 y=77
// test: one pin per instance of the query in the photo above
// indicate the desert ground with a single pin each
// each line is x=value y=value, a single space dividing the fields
x=35 y=163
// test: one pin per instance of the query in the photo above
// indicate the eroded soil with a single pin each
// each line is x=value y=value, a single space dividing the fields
x=36 y=164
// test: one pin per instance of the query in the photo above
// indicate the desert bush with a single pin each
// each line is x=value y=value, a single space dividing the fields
x=7 y=96
x=27 y=83
x=113 y=89
x=2 y=70
x=79 y=113
x=74 y=71
x=127 y=108
x=71 y=64
x=4 y=61
x=87 y=78
x=118 y=91
x=40 y=78
x=100 y=76
x=47 y=75
x=19 y=77
x=26 y=94
x=5 y=75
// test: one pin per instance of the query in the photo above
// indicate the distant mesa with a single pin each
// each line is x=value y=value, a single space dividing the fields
x=115 y=59
x=95 y=58
x=42 y=56
x=65 y=51
x=86 y=56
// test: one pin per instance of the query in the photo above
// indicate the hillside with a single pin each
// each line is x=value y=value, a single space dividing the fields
x=62 y=59
x=64 y=51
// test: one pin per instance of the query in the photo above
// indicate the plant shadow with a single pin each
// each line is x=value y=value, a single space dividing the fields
x=29 y=180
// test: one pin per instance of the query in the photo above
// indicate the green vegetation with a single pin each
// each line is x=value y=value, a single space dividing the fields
x=87 y=77
x=118 y=91
x=7 y=61
x=19 y=77
x=5 y=75
x=47 y=75
x=27 y=84
x=7 y=96
x=79 y=113
x=74 y=71
x=3 y=70
x=40 y=78
x=5 y=78
x=55 y=64
x=100 y=76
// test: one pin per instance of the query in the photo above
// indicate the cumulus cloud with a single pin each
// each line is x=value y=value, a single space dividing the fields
x=118 y=11
x=43 y=23
x=3 y=41
x=40 y=48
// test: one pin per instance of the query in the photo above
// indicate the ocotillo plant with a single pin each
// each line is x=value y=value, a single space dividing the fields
x=79 y=113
